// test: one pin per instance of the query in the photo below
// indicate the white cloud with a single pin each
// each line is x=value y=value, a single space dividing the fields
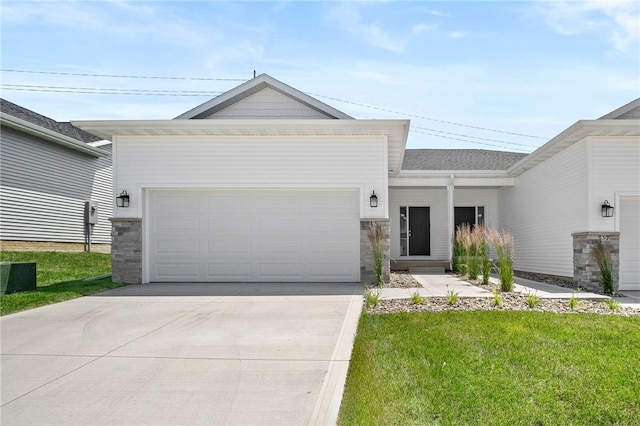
x=457 y=34
x=619 y=19
x=348 y=16
x=421 y=28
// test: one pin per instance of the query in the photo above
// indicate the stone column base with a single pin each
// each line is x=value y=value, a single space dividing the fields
x=367 y=261
x=586 y=273
x=126 y=250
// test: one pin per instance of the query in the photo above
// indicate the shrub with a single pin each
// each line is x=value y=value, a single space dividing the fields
x=612 y=304
x=574 y=302
x=532 y=300
x=484 y=256
x=377 y=237
x=417 y=299
x=372 y=297
x=503 y=243
x=497 y=298
x=468 y=250
x=602 y=255
x=452 y=296
x=462 y=249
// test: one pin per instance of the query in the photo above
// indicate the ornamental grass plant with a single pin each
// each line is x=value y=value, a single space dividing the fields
x=376 y=238
x=601 y=254
x=503 y=242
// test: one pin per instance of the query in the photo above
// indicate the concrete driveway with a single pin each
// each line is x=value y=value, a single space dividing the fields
x=178 y=354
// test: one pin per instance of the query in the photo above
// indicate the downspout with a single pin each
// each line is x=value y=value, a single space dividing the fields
x=450 y=218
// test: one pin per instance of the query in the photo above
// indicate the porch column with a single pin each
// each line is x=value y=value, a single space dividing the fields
x=450 y=218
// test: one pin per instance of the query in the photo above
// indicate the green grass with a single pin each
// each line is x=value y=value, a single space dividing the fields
x=494 y=368
x=59 y=277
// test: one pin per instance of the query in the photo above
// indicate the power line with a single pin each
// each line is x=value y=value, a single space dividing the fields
x=464 y=140
x=426 y=118
x=123 y=76
x=475 y=137
x=102 y=91
x=84 y=90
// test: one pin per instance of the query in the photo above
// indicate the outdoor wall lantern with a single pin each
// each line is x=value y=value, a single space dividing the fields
x=373 y=200
x=123 y=199
x=607 y=209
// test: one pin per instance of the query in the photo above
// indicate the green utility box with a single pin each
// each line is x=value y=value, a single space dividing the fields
x=17 y=276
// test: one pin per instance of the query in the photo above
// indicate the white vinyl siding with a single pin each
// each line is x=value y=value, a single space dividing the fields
x=44 y=187
x=629 y=213
x=267 y=103
x=615 y=169
x=254 y=235
x=547 y=205
x=253 y=161
x=436 y=200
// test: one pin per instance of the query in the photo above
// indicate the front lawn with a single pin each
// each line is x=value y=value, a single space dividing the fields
x=59 y=277
x=493 y=368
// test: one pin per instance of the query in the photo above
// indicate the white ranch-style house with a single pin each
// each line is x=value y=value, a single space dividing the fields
x=265 y=183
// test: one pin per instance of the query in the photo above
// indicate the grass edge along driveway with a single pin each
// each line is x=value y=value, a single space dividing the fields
x=60 y=277
x=493 y=368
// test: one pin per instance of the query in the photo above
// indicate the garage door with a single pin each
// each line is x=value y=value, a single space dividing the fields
x=254 y=235
x=629 y=209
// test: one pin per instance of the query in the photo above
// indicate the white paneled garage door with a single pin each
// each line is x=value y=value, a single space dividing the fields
x=629 y=210
x=254 y=235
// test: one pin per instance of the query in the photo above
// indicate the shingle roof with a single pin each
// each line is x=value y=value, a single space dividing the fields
x=459 y=159
x=66 y=129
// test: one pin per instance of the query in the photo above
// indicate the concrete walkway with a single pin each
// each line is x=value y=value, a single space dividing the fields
x=183 y=354
x=437 y=284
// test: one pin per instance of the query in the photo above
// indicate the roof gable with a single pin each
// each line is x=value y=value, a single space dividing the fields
x=263 y=97
x=629 y=111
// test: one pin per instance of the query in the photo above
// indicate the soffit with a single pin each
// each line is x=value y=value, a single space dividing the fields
x=395 y=130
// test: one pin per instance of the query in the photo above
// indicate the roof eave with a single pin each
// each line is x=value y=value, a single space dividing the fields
x=571 y=135
x=44 y=133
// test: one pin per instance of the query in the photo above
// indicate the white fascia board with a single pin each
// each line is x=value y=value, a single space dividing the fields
x=484 y=178
x=457 y=182
x=50 y=135
x=571 y=135
x=98 y=144
x=109 y=128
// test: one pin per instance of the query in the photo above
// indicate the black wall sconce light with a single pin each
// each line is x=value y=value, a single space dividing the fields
x=373 y=200
x=123 y=199
x=607 y=209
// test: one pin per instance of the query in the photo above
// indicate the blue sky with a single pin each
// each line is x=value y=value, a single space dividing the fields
x=485 y=75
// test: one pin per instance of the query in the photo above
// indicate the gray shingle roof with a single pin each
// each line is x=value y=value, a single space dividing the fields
x=459 y=159
x=66 y=129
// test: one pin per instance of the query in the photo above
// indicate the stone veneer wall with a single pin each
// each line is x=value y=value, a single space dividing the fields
x=126 y=250
x=586 y=273
x=367 y=262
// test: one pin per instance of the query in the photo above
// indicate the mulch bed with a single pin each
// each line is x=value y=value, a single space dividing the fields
x=510 y=302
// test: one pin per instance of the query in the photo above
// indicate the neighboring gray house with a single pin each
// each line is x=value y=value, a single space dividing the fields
x=48 y=170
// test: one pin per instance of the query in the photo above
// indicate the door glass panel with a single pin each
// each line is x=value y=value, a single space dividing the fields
x=480 y=215
x=403 y=231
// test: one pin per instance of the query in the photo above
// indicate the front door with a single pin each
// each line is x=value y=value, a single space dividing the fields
x=419 y=231
x=462 y=215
